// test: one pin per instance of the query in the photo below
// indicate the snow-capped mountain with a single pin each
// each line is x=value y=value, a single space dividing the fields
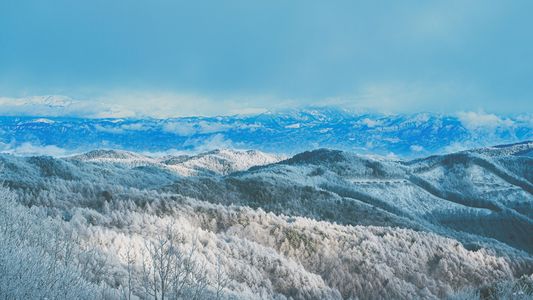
x=322 y=224
x=287 y=132
x=219 y=161
x=452 y=194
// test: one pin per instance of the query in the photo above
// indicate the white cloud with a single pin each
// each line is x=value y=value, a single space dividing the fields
x=392 y=156
x=28 y=149
x=293 y=126
x=212 y=127
x=475 y=120
x=59 y=106
x=416 y=148
x=160 y=104
x=44 y=121
x=455 y=147
x=526 y=119
x=114 y=130
x=390 y=97
x=179 y=128
x=370 y=123
x=217 y=141
x=134 y=127
x=128 y=105
x=202 y=127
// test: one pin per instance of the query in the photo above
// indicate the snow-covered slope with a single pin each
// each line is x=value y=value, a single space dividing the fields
x=457 y=194
x=223 y=161
x=215 y=162
x=322 y=224
x=115 y=156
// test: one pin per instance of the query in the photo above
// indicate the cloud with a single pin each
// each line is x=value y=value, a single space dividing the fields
x=397 y=96
x=392 y=156
x=217 y=141
x=390 y=97
x=135 y=127
x=114 y=130
x=43 y=121
x=456 y=147
x=201 y=127
x=61 y=106
x=179 y=128
x=212 y=127
x=28 y=149
x=416 y=148
x=370 y=123
x=525 y=119
x=352 y=50
x=293 y=126
x=161 y=104
x=475 y=120
x=130 y=105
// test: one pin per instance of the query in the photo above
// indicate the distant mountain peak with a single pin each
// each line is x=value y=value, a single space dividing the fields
x=289 y=132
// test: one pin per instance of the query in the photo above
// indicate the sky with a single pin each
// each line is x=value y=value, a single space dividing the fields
x=174 y=58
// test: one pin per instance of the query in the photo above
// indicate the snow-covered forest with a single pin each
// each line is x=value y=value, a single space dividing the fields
x=229 y=224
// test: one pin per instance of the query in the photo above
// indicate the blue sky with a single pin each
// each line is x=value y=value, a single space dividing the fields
x=218 y=57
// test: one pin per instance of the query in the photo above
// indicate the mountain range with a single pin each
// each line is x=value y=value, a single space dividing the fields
x=320 y=224
x=283 y=132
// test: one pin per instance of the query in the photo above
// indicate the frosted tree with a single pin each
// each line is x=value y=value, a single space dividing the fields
x=169 y=272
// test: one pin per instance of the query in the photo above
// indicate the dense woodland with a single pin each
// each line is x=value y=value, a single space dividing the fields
x=320 y=225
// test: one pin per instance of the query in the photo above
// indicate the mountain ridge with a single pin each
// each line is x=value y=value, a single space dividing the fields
x=322 y=224
x=285 y=132
x=472 y=182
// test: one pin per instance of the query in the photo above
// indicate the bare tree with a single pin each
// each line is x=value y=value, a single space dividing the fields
x=221 y=280
x=168 y=272
x=130 y=258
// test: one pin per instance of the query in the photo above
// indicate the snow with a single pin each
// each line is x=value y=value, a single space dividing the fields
x=220 y=161
x=293 y=126
x=44 y=121
x=286 y=132
x=323 y=224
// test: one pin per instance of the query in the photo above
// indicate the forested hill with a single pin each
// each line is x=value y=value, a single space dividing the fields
x=322 y=224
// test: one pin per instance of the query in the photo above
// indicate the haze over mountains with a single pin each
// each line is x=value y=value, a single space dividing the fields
x=272 y=150
x=283 y=132
x=322 y=224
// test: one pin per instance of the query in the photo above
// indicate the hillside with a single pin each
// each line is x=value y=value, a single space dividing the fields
x=322 y=224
